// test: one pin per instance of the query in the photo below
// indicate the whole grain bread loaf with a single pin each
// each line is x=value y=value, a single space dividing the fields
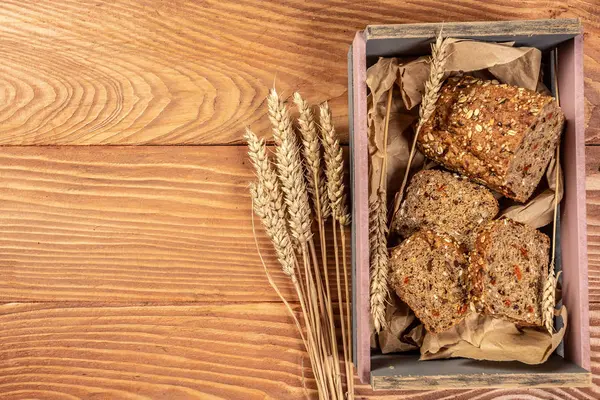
x=500 y=135
x=508 y=269
x=429 y=273
x=445 y=202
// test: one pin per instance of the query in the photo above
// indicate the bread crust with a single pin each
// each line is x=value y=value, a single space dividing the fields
x=499 y=135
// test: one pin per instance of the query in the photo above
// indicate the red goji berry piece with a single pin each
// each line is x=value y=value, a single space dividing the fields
x=518 y=273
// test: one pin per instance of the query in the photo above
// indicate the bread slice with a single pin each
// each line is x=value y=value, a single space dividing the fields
x=445 y=202
x=500 y=135
x=429 y=273
x=508 y=269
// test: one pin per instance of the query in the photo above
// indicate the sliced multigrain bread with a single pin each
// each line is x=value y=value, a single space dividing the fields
x=445 y=202
x=500 y=135
x=429 y=272
x=508 y=269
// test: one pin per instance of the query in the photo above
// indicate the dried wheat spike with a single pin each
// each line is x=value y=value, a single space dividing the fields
x=334 y=166
x=279 y=117
x=269 y=204
x=315 y=178
x=439 y=56
x=549 y=300
x=378 y=259
x=289 y=166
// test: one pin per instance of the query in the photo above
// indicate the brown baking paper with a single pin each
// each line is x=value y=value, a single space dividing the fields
x=479 y=336
x=380 y=79
x=519 y=66
x=404 y=331
x=482 y=337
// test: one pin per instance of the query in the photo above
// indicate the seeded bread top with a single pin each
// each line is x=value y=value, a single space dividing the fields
x=486 y=119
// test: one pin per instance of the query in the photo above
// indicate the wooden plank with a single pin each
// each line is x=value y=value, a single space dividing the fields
x=57 y=350
x=154 y=72
x=194 y=352
x=407 y=373
x=593 y=220
x=131 y=224
x=146 y=224
x=480 y=29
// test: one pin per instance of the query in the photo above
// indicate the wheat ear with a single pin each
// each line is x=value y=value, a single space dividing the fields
x=289 y=167
x=269 y=203
x=439 y=56
x=378 y=259
x=334 y=171
x=317 y=186
x=334 y=166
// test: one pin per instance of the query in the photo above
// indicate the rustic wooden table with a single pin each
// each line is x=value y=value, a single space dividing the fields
x=127 y=268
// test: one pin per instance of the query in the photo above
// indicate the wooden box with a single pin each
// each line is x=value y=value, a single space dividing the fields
x=568 y=367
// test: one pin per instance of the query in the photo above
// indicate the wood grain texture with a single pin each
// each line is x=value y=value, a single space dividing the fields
x=232 y=351
x=593 y=220
x=94 y=215
x=130 y=273
x=187 y=72
x=131 y=224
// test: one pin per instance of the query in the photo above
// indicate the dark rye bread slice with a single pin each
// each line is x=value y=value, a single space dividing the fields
x=429 y=273
x=500 y=135
x=508 y=269
x=445 y=202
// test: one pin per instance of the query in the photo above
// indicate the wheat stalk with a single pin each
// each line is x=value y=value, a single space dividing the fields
x=439 y=56
x=317 y=188
x=334 y=171
x=378 y=230
x=290 y=172
x=268 y=204
x=549 y=295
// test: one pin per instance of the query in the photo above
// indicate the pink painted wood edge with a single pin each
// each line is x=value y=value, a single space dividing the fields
x=573 y=216
x=361 y=209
